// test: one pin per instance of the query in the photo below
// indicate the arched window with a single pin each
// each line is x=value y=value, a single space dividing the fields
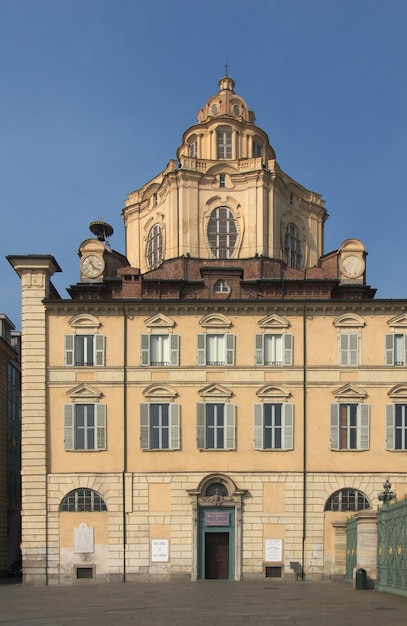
x=83 y=500
x=154 y=247
x=292 y=247
x=221 y=287
x=222 y=233
x=347 y=500
x=216 y=489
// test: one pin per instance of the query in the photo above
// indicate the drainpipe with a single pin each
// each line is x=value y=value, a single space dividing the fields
x=304 y=458
x=124 y=440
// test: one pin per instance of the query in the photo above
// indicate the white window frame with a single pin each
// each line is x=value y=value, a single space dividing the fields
x=393 y=351
x=97 y=350
x=71 y=427
x=362 y=426
x=146 y=349
x=392 y=428
x=224 y=144
x=146 y=426
x=286 y=348
x=154 y=248
x=287 y=426
x=222 y=232
x=349 y=349
x=228 y=427
x=293 y=247
x=193 y=149
x=228 y=356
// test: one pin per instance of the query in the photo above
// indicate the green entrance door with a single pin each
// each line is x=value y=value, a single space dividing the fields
x=216 y=543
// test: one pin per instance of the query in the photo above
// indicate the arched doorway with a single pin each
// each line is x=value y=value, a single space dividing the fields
x=217 y=529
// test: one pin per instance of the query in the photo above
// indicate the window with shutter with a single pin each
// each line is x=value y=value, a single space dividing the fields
x=349 y=426
x=85 y=350
x=273 y=426
x=85 y=427
x=349 y=349
x=159 y=426
x=215 y=426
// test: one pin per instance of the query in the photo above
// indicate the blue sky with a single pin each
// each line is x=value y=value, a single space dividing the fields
x=95 y=96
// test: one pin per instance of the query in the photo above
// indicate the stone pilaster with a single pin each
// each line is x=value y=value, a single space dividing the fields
x=35 y=272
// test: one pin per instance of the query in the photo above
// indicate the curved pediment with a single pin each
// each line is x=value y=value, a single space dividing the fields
x=349 y=320
x=84 y=320
x=215 y=320
x=275 y=392
x=350 y=392
x=398 y=393
x=160 y=392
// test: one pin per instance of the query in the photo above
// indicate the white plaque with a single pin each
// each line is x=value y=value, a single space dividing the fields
x=274 y=550
x=83 y=537
x=159 y=550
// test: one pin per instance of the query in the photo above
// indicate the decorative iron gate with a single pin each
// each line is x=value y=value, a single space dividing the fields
x=351 y=548
x=392 y=548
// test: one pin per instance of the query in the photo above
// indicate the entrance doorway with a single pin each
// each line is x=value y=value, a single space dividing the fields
x=217 y=555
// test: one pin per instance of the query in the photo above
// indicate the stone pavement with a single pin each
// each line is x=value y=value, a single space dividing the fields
x=204 y=603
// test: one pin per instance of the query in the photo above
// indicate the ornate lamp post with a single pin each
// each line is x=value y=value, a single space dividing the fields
x=386 y=495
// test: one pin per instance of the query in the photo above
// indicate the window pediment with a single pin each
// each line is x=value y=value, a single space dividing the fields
x=160 y=392
x=84 y=393
x=274 y=392
x=349 y=320
x=215 y=320
x=83 y=320
x=215 y=392
x=400 y=321
x=398 y=393
x=274 y=322
x=350 y=392
x=159 y=321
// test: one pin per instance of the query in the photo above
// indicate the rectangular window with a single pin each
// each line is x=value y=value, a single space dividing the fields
x=193 y=149
x=224 y=138
x=273 y=426
x=159 y=426
x=84 y=350
x=85 y=426
x=396 y=349
x=274 y=349
x=257 y=149
x=396 y=427
x=215 y=426
x=222 y=180
x=349 y=349
x=159 y=350
x=350 y=426
x=216 y=349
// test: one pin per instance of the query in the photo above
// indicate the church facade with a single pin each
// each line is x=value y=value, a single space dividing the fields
x=217 y=402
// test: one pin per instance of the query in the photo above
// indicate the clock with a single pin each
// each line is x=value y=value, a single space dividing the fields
x=353 y=266
x=92 y=265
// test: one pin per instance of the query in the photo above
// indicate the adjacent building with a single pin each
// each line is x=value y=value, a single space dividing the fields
x=217 y=402
x=10 y=443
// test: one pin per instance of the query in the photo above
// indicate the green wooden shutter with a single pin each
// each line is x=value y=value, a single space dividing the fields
x=145 y=350
x=174 y=349
x=288 y=341
x=230 y=429
x=144 y=426
x=288 y=426
x=100 y=410
x=390 y=426
x=69 y=349
x=259 y=349
x=173 y=410
x=258 y=426
x=201 y=349
x=389 y=349
x=363 y=426
x=69 y=417
x=334 y=426
x=200 y=425
x=99 y=350
x=230 y=349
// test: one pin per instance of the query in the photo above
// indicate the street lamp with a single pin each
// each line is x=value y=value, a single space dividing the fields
x=386 y=495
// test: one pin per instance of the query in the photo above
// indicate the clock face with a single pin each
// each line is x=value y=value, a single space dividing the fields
x=353 y=266
x=92 y=265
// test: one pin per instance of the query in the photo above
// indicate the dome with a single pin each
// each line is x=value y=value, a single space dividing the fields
x=226 y=103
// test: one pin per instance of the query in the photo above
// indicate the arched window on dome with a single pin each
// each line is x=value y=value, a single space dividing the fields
x=347 y=500
x=292 y=247
x=154 y=249
x=222 y=233
x=80 y=500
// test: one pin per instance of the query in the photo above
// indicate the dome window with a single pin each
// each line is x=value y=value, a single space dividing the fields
x=154 y=247
x=222 y=233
